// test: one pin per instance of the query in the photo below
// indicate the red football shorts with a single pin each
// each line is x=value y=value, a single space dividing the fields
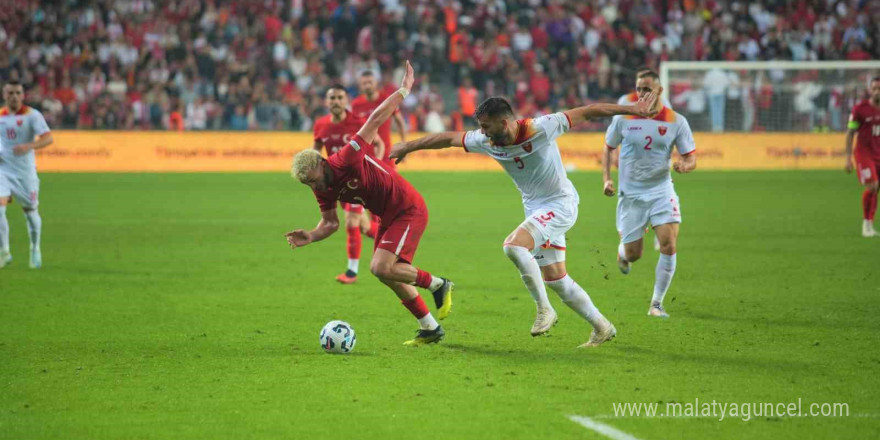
x=866 y=169
x=401 y=234
x=353 y=208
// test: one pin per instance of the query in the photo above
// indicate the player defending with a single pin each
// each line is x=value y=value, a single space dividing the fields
x=24 y=131
x=527 y=150
x=367 y=102
x=355 y=177
x=646 y=191
x=630 y=99
x=865 y=120
x=332 y=132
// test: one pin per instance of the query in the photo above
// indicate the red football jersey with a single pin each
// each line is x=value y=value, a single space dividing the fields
x=865 y=118
x=334 y=135
x=362 y=107
x=361 y=179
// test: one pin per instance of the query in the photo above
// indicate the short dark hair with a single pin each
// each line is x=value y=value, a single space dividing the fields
x=336 y=87
x=876 y=78
x=643 y=68
x=648 y=73
x=13 y=82
x=367 y=72
x=494 y=107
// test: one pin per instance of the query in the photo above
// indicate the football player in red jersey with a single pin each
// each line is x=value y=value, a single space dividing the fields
x=865 y=121
x=332 y=132
x=353 y=176
x=369 y=99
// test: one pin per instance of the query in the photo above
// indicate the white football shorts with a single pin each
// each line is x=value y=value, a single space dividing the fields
x=548 y=224
x=637 y=211
x=25 y=190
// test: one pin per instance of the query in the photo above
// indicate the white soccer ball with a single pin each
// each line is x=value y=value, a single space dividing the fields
x=337 y=337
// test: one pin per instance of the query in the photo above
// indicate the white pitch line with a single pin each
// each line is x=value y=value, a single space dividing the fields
x=606 y=430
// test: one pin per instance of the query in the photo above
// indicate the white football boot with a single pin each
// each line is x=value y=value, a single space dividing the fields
x=600 y=335
x=545 y=319
x=5 y=258
x=658 y=311
x=868 y=229
x=36 y=258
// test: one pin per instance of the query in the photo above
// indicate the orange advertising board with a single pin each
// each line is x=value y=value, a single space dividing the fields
x=118 y=151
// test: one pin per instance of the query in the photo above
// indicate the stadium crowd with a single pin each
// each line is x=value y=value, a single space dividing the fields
x=264 y=64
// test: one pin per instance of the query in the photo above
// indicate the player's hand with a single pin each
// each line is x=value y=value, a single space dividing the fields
x=609 y=188
x=679 y=168
x=849 y=166
x=298 y=238
x=409 y=78
x=21 y=150
x=644 y=107
x=398 y=152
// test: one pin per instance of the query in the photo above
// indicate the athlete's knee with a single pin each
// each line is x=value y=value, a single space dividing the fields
x=668 y=248
x=873 y=186
x=4 y=201
x=381 y=270
x=632 y=254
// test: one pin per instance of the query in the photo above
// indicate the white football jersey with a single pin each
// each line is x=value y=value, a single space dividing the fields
x=17 y=129
x=533 y=160
x=632 y=98
x=646 y=148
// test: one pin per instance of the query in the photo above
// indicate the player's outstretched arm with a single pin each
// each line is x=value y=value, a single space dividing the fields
x=644 y=108
x=400 y=124
x=326 y=227
x=370 y=128
x=429 y=142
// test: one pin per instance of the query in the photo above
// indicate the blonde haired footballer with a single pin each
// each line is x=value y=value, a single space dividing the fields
x=646 y=192
x=527 y=150
x=22 y=131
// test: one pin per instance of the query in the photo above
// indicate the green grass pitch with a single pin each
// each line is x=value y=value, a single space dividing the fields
x=171 y=307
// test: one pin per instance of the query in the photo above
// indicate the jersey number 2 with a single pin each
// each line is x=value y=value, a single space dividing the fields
x=650 y=141
x=519 y=163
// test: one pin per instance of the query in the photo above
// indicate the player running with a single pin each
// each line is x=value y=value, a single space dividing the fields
x=366 y=103
x=630 y=99
x=646 y=191
x=332 y=132
x=23 y=131
x=353 y=176
x=527 y=150
x=865 y=120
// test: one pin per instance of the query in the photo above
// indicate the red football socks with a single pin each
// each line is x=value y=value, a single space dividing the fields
x=416 y=306
x=354 y=242
x=869 y=204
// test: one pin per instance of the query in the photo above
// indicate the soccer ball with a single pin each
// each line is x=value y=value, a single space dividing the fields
x=337 y=337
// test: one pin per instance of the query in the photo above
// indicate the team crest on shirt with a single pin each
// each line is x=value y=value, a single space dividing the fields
x=352 y=184
x=662 y=130
x=19 y=122
x=528 y=147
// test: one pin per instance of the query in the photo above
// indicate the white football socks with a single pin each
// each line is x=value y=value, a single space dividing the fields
x=577 y=298
x=530 y=273
x=353 y=264
x=436 y=282
x=663 y=277
x=4 y=230
x=621 y=252
x=35 y=226
x=428 y=322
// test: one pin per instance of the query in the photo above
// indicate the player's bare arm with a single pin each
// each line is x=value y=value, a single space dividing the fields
x=400 y=125
x=370 y=129
x=645 y=107
x=608 y=184
x=686 y=164
x=850 y=133
x=326 y=227
x=379 y=147
x=40 y=142
x=318 y=145
x=430 y=142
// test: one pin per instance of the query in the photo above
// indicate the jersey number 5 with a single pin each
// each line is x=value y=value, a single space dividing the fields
x=519 y=163
x=650 y=141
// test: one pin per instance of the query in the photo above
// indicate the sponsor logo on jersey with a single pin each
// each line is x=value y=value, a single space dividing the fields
x=634 y=128
x=662 y=129
x=528 y=147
